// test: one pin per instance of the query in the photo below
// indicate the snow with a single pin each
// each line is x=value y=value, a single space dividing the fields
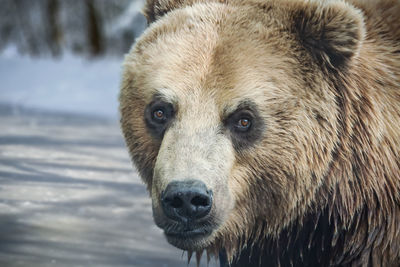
x=67 y=84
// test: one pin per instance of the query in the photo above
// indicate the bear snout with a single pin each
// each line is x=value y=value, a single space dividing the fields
x=186 y=201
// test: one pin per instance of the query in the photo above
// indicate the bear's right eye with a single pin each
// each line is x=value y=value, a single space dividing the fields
x=157 y=116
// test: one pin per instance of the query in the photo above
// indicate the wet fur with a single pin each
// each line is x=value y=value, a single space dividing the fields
x=341 y=205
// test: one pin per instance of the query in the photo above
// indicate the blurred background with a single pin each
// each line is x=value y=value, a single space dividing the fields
x=66 y=55
x=68 y=193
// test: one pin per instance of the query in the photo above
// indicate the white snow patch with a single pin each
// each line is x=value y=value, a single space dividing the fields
x=68 y=84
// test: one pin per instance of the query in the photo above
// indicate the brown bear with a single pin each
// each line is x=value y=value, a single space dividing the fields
x=268 y=131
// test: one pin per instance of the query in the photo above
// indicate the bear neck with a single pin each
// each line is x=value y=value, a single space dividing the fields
x=321 y=239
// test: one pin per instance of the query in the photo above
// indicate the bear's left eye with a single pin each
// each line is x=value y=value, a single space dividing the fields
x=243 y=124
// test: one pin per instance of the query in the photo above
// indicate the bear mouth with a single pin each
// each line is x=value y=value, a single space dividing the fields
x=195 y=233
x=189 y=239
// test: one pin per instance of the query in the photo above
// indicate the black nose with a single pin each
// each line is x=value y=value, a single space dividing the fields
x=186 y=200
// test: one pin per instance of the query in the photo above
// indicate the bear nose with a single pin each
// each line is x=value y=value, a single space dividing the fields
x=186 y=200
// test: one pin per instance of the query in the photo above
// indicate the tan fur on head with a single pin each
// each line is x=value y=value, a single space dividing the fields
x=322 y=80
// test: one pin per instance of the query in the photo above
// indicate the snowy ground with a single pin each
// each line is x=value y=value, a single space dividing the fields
x=68 y=193
x=69 y=196
x=67 y=84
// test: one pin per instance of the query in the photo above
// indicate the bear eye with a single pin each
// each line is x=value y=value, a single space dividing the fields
x=159 y=116
x=243 y=124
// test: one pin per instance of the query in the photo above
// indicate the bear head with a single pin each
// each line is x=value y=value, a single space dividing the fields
x=231 y=113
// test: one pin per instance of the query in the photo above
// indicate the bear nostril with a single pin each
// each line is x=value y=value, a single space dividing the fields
x=176 y=202
x=200 y=201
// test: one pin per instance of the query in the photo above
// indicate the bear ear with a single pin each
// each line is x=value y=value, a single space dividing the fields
x=332 y=32
x=155 y=9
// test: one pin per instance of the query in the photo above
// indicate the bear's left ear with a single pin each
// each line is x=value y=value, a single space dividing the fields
x=332 y=32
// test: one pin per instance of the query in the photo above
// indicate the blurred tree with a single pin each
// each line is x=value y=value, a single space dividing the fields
x=94 y=28
x=54 y=32
x=87 y=27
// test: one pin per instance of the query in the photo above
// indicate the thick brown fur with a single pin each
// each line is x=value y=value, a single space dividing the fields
x=321 y=185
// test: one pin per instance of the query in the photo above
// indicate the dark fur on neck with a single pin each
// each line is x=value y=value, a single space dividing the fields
x=320 y=240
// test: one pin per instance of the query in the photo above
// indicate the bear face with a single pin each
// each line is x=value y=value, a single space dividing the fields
x=233 y=116
x=209 y=69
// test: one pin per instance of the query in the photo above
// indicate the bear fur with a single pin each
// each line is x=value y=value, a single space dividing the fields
x=315 y=181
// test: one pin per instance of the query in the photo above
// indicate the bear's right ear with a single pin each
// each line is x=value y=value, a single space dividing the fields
x=155 y=9
x=332 y=32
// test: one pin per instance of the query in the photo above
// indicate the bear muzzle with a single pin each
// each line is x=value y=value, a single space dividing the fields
x=186 y=200
x=188 y=203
